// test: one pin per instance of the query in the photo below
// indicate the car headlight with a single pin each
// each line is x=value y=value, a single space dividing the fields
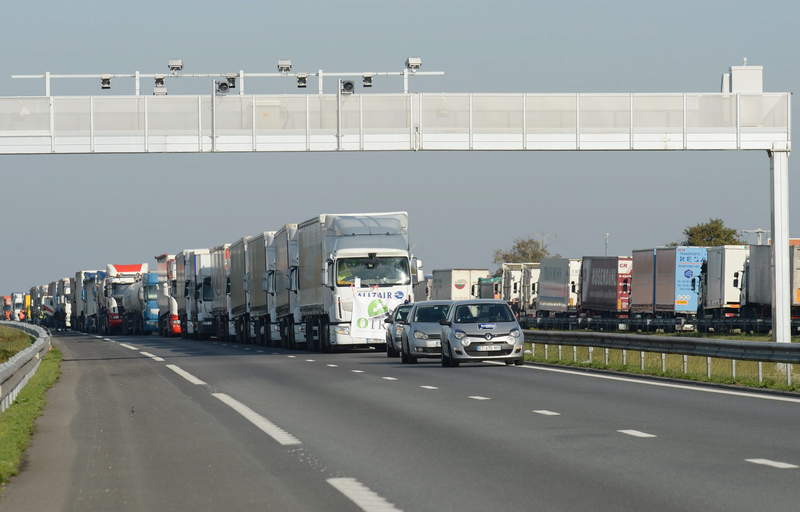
x=342 y=329
x=420 y=335
x=462 y=337
x=516 y=333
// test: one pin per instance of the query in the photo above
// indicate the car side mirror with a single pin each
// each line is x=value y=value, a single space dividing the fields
x=388 y=320
x=444 y=322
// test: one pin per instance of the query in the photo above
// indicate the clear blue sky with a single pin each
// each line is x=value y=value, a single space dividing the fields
x=65 y=213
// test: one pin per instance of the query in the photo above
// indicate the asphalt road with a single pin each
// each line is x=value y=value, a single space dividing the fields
x=250 y=428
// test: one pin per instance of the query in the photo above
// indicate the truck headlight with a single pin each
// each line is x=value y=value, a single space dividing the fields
x=342 y=329
x=420 y=335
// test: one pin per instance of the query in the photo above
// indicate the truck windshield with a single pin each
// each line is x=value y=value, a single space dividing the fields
x=150 y=293
x=483 y=313
x=117 y=290
x=208 y=291
x=389 y=271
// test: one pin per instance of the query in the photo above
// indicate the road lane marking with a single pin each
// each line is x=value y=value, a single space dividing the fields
x=689 y=387
x=131 y=347
x=429 y=387
x=332 y=365
x=152 y=356
x=266 y=426
x=365 y=498
x=260 y=351
x=357 y=371
x=98 y=337
x=545 y=412
x=635 y=433
x=275 y=353
x=186 y=375
x=309 y=360
x=478 y=397
x=291 y=356
x=388 y=378
x=106 y=339
x=772 y=463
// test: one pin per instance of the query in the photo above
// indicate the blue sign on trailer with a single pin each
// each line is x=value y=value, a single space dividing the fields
x=688 y=262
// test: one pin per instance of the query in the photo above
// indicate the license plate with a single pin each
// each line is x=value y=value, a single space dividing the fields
x=487 y=348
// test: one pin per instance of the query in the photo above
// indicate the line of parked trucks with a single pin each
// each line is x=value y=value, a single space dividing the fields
x=327 y=282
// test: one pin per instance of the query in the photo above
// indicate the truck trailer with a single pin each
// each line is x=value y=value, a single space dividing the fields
x=261 y=255
x=287 y=300
x=512 y=283
x=677 y=280
x=169 y=322
x=457 y=283
x=605 y=286
x=353 y=270
x=722 y=277
x=222 y=318
x=240 y=304
x=559 y=287
x=490 y=288
x=196 y=299
x=529 y=288
x=756 y=295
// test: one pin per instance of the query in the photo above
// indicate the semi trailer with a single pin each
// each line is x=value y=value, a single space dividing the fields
x=559 y=286
x=261 y=255
x=169 y=323
x=239 y=296
x=140 y=305
x=605 y=286
x=722 y=277
x=118 y=278
x=457 y=283
x=222 y=318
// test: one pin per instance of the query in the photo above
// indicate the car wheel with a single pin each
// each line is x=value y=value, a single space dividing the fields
x=445 y=359
x=390 y=350
x=519 y=361
x=509 y=362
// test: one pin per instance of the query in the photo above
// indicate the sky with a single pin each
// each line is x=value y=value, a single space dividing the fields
x=63 y=213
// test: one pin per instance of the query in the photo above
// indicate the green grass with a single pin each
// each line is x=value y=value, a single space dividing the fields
x=773 y=375
x=17 y=423
x=12 y=341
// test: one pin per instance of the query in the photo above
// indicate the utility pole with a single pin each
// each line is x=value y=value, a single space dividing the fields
x=759 y=232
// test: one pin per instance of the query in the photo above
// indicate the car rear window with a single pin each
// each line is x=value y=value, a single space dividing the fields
x=483 y=313
x=431 y=314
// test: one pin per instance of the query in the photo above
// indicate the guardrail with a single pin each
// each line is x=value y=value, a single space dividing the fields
x=16 y=372
x=785 y=354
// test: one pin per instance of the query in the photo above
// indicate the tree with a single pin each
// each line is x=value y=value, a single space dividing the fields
x=524 y=250
x=711 y=233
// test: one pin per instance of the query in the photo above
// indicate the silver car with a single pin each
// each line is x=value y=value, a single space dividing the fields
x=477 y=330
x=422 y=330
x=394 y=329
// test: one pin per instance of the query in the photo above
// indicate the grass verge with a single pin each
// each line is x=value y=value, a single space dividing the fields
x=17 y=423
x=12 y=341
x=723 y=371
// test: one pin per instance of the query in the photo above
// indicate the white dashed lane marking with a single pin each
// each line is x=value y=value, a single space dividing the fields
x=152 y=356
x=478 y=397
x=357 y=371
x=365 y=498
x=333 y=365
x=635 y=433
x=309 y=360
x=275 y=432
x=545 y=412
x=772 y=463
x=186 y=375
x=388 y=378
x=292 y=357
x=429 y=387
x=130 y=347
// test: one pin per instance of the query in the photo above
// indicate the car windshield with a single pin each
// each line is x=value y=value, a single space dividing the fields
x=431 y=314
x=372 y=271
x=402 y=313
x=483 y=313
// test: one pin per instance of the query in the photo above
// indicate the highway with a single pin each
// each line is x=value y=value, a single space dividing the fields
x=150 y=423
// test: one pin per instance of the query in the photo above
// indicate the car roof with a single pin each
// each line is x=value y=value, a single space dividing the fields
x=478 y=301
x=433 y=303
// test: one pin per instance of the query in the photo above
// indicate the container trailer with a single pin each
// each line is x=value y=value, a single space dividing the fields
x=352 y=271
x=605 y=286
x=240 y=306
x=677 y=280
x=643 y=297
x=722 y=278
x=559 y=286
x=457 y=283
x=261 y=255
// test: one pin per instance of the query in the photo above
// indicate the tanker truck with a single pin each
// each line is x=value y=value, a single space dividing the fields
x=140 y=306
x=117 y=281
x=169 y=323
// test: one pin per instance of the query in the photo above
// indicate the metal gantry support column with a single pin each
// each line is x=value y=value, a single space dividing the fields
x=779 y=195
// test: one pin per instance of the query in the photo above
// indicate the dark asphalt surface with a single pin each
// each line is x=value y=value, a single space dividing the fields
x=124 y=432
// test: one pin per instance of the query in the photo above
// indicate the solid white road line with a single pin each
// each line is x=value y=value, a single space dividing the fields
x=388 y=378
x=365 y=498
x=478 y=397
x=429 y=387
x=772 y=463
x=186 y=375
x=332 y=365
x=357 y=371
x=266 y=426
x=545 y=412
x=152 y=356
x=635 y=433
x=131 y=347
x=689 y=387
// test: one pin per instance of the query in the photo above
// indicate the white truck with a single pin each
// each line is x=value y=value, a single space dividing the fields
x=200 y=303
x=261 y=263
x=512 y=283
x=79 y=298
x=353 y=270
x=169 y=322
x=559 y=286
x=722 y=278
x=222 y=316
x=63 y=303
x=18 y=306
x=530 y=288
x=240 y=303
x=457 y=283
